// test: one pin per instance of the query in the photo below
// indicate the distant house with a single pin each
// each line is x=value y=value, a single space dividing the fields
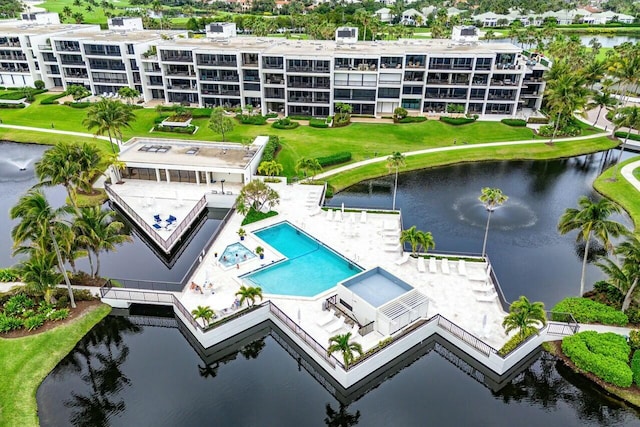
x=412 y=17
x=561 y=17
x=384 y=14
x=489 y=19
x=609 y=16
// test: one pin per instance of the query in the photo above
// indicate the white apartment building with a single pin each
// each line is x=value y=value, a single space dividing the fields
x=293 y=77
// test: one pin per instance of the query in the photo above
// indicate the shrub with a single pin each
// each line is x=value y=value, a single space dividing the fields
x=334 y=159
x=318 y=123
x=8 y=275
x=412 y=119
x=251 y=120
x=9 y=323
x=300 y=117
x=16 y=95
x=635 y=367
x=538 y=120
x=601 y=354
x=18 y=304
x=38 y=84
x=172 y=129
x=514 y=122
x=587 y=311
x=271 y=115
x=623 y=135
x=271 y=149
x=400 y=113
x=63 y=301
x=159 y=119
x=634 y=339
x=456 y=121
x=34 y=322
x=570 y=130
x=513 y=343
x=82 y=295
x=46 y=308
x=49 y=100
x=78 y=104
x=285 y=123
x=12 y=106
x=59 y=314
x=633 y=313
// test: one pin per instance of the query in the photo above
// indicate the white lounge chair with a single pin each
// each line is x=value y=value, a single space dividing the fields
x=484 y=287
x=462 y=268
x=338 y=216
x=355 y=333
x=330 y=317
x=316 y=211
x=395 y=248
x=404 y=259
x=335 y=327
x=487 y=298
x=391 y=225
x=329 y=215
x=421 y=267
x=433 y=267
x=444 y=265
x=363 y=217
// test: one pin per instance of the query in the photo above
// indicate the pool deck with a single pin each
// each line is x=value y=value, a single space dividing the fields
x=372 y=243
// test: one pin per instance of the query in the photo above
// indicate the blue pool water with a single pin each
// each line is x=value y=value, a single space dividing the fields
x=311 y=267
x=234 y=254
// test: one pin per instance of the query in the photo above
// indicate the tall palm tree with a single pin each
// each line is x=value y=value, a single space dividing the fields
x=249 y=294
x=394 y=162
x=39 y=228
x=491 y=198
x=411 y=236
x=629 y=118
x=426 y=241
x=525 y=317
x=204 y=313
x=591 y=220
x=601 y=100
x=343 y=344
x=625 y=277
x=109 y=116
x=98 y=231
x=58 y=166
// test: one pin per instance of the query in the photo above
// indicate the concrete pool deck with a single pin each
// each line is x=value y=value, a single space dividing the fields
x=372 y=243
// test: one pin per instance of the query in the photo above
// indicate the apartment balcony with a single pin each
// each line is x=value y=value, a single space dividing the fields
x=78 y=76
x=443 y=96
x=308 y=69
x=278 y=82
x=21 y=58
x=302 y=85
x=14 y=70
x=273 y=66
x=154 y=83
x=177 y=58
x=505 y=82
x=233 y=64
x=503 y=98
x=180 y=73
x=45 y=47
x=10 y=44
x=68 y=48
x=233 y=79
x=182 y=87
x=221 y=92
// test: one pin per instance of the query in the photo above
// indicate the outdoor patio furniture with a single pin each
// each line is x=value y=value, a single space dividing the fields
x=157 y=226
x=444 y=265
x=363 y=217
x=462 y=268
x=433 y=267
x=335 y=327
x=330 y=317
x=421 y=267
x=487 y=298
x=157 y=218
x=171 y=218
x=404 y=259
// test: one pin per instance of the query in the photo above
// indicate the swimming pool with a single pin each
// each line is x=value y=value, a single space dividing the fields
x=310 y=269
x=234 y=254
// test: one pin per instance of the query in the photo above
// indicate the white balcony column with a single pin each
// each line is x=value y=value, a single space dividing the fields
x=158 y=179
x=208 y=177
x=198 y=177
x=166 y=172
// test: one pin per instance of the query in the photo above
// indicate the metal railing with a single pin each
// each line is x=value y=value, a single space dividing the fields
x=366 y=329
x=465 y=336
x=308 y=339
x=559 y=323
x=165 y=244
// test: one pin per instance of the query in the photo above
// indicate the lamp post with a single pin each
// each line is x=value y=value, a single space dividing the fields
x=222 y=184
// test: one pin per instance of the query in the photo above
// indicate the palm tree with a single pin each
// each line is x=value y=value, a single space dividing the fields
x=39 y=274
x=309 y=165
x=270 y=168
x=591 y=220
x=58 y=166
x=363 y=17
x=629 y=118
x=625 y=277
x=491 y=198
x=109 y=116
x=601 y=100
x=426 y=241
x=412 y=236
x=249 y=294
x=395 y=161
x=489 y=35
x=98 y=231
x=41 y=225
x=204 y=313
x=342 y=344
x=525 y=317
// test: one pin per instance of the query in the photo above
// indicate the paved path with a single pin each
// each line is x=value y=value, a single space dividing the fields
x=604 y=328
x=59 y=132
x=450 y=148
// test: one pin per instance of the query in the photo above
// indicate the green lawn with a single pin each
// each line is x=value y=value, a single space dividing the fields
x=25 y=362
x=620 y=190
x=517 y=152
x=96 y=16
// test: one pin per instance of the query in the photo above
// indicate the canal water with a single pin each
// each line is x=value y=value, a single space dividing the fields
x=126 y=373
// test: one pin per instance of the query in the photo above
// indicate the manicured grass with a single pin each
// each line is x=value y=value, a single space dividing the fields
x=96 y=16
x=25 y=362
x=86 y=200
x=620 y=190
x=532 y=151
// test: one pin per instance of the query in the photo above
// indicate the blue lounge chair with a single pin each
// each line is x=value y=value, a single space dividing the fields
x=171 y=218
x=157 y=218
x=157 y=226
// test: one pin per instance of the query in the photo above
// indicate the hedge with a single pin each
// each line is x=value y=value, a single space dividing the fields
x=514 y=122
x=513 y=343
x=78 y=104
x=635 y=367
x=160 y=119
x=270 y=149
x=285 y=124
x=300 y=117
x=12 y=106
x=538 y=120
x=50 y=100
x=612 y=366
x=412 y=119
x=271 y=115
x=16 y=95
x=456 y=121
x=623 y=135
x=171 y=129
x=251 y=120
x=318 y=123
x=587 y=311
x=334 y=159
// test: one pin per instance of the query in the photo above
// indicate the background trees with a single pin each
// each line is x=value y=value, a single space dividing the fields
x=220 y=123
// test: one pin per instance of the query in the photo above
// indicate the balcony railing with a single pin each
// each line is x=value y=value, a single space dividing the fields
x=218 y=63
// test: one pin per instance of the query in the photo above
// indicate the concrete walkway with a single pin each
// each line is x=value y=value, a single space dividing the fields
x=451 y=148
x=59 y=132
x=604 y=328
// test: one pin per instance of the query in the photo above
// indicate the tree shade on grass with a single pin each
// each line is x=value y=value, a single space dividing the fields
x=25 y=362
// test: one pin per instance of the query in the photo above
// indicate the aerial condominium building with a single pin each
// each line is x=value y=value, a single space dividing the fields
x=292 y=77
